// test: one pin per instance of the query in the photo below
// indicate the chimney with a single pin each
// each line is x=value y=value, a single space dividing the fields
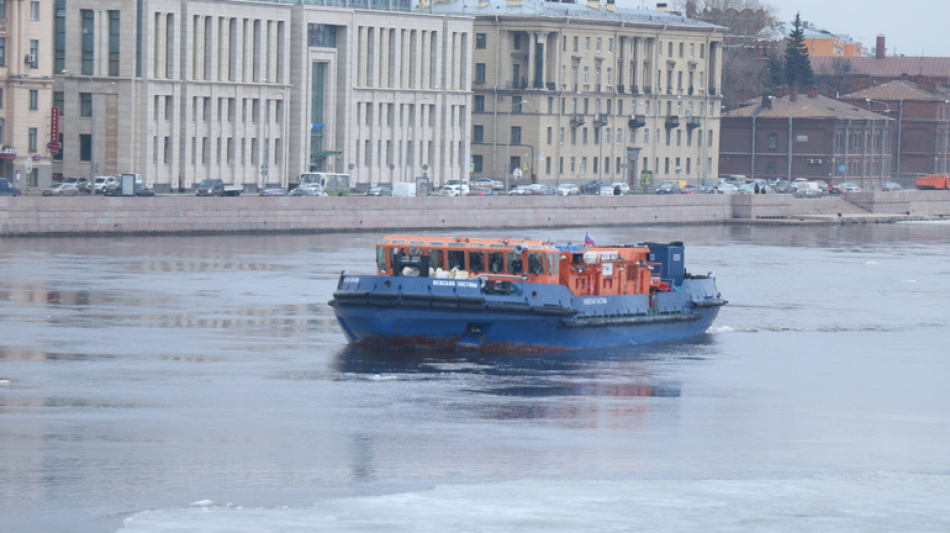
x=610 y=5
x=879 y=50
x=812 y=91
x=780 y=91
x=661 y=6
x=593 y=4
x=766 y=101
x=793 y=94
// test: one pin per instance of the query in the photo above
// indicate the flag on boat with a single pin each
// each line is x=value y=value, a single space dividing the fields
x=588 y=240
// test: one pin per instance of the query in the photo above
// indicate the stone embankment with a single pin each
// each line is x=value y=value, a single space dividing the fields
x=186 y=214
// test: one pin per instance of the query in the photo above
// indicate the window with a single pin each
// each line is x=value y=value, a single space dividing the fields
x=88 y=46
x=550 y=134
x=34 y=11
x=479 y=103
x=600 y=41
x=3 y=50
x=681 y=49
x=517 y=104
x=517 y=42
x=576 y=40
x=480 y=72
x=587 y=44
x=477 y=163
x=32 y=136
x=481 y=41
x=113 y=43
x=34 y=99
x=478 y=134
x=3 y=9
x=85 y=104
x=85 y=147
x=58 y=99
x=34 y=57
x=516 y=135
x=773 y=141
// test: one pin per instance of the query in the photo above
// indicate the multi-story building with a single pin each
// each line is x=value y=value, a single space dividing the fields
x=178 y=91
x=568 y=92
x=26 y=90
x=810 y=136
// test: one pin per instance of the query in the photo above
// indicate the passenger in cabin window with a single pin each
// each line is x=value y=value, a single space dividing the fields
x=476 y=261
x=514 y=263
x=535 y=266
x=456 y=259
x=495 y=262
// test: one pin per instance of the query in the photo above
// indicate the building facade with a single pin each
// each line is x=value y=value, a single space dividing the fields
x=569 y=93
x=179 y=91
x=26 y=91
x=809 y=136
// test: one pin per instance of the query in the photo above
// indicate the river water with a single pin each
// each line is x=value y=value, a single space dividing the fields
x=194 y=384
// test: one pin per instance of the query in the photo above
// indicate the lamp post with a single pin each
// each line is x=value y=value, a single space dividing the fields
x=95 y=164
x=887 y=111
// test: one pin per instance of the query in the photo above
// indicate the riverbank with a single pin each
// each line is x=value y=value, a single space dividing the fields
x=24 y=216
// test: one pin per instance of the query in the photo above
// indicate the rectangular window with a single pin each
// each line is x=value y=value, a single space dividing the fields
x=478 y=134
x=516 y=135
x=58 y=100
x=85 y=104
x=34 y=11
x=169 y=107
x=481 y=41
x=321 y=35
x=85 y=147
x=550 y=134
x=3 y=50
x=113 y=43
x=477 y=163
x=3 y=9
x=34 y=57
x=88 y=44
x=479 y=103
x=480 y=72
x=32 y=139
x=34 y=99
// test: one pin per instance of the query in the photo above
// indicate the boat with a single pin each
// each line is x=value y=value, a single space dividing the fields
x=523 y=295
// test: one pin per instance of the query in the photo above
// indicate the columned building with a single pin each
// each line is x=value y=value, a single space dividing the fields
x=179 y=91
x=26 y=91
x=567 y=92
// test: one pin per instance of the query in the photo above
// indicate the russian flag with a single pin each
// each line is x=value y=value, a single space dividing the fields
x=588 y=240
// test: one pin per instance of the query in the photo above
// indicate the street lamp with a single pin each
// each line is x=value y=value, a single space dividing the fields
x=887 y=111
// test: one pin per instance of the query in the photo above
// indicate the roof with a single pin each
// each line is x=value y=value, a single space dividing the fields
x=817 y=107
x=542 y=8
x=892 y=67
x=895 y=90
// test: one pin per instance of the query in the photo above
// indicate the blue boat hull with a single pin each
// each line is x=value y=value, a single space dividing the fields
x=422 y=313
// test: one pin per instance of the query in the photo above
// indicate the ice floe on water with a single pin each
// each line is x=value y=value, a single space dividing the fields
x=867 y=502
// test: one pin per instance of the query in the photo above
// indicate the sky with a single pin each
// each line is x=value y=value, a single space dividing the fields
x=911 y=27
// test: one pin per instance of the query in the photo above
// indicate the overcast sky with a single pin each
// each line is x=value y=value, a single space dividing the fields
x=911 y=27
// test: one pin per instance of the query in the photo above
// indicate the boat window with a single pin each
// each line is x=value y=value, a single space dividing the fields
x=399 y=242
x=381 y=258
x=417 y=243
x=436 y=243
x=476 y=261
x=396 y=253
x=536 y=263
x=515 y=265
x=435 y=258
x=456 y=259
x=496 y=261
x=553 y=262
x=496 y=245
x=477 y=244
x=456 y=245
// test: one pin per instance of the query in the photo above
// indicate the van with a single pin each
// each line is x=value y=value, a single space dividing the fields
x=404 y=189
x=454 y=188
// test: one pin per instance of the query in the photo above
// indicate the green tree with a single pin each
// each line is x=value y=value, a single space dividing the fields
x=798 y=72
x=773 y=75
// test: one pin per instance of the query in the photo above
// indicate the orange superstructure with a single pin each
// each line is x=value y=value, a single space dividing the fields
x=585 y=271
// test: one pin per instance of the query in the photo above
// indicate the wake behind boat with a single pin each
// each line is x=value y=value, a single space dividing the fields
x=503 y=295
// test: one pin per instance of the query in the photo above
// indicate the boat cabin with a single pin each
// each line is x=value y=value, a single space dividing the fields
x=585 y=271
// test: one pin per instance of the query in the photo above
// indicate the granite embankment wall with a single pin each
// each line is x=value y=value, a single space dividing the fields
x=37 y=215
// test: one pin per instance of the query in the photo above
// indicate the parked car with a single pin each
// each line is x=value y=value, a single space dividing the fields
x=381 y=190
x=81 y=184
x=7 y=188
x=747 y=188
x=273 y=192
x=488 y=183
x=782 y=186
x=102 y=182
x=892 y=186
x=480 y=191
x=689 y=189
x=808 y=190
x=727 y=188
x=518 y=190
x=307 y=191
x=538 y=189
x=706 y=188
x=848 y=186
x=215 y=187
x=668 y=187
x=453 y=188
x=593 y=187
x=63 y=189
x=568 y=189
x=142 y=190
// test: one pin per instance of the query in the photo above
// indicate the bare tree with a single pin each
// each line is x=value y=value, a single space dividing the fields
x=749 y=42
x=834 y=78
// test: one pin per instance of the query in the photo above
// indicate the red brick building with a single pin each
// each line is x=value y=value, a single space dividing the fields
x=810 y=136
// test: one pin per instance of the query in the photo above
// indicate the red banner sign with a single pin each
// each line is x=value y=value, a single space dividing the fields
x=54 y=126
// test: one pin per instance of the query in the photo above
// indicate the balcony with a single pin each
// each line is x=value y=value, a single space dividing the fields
x=693 y=122
x=600 y=120
x=577 y=121
x=637 y=121
x=672 y=121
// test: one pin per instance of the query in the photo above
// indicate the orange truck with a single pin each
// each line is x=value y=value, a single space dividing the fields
x=930 y=182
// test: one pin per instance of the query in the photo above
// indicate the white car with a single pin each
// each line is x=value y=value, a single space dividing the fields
x=103 y=182
x=487 y=183
x=454 y=188
x=624 y=188
x=727 y=188
x=568 y=189
x=518 y=191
